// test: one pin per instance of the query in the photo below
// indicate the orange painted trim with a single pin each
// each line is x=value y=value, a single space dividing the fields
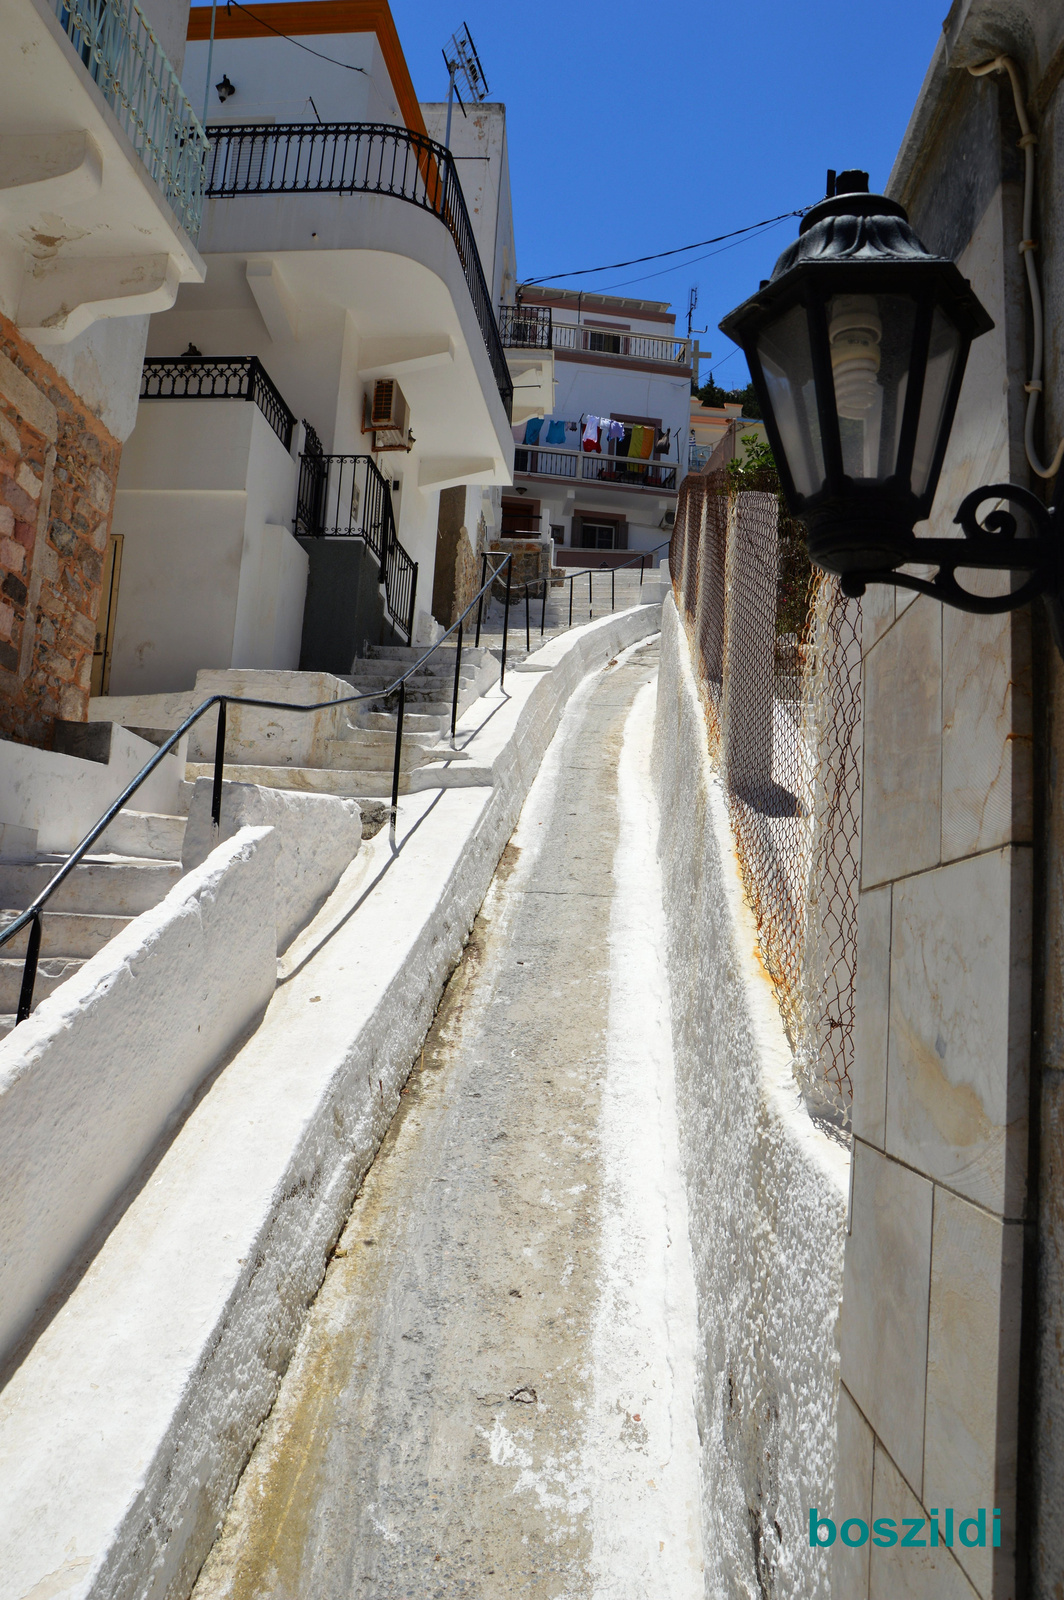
x=299 y=18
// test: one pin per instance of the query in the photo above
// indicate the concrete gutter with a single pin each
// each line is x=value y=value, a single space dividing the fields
x=123 y=1433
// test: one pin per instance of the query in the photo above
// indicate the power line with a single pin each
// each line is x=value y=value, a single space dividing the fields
x=255 y=17
x=681 y=249
x=682 y=265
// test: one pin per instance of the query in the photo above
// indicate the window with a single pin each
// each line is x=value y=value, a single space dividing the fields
x=597 y=535
x=609 y=343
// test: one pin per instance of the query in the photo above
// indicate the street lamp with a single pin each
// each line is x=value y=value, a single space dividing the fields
x=857 y=346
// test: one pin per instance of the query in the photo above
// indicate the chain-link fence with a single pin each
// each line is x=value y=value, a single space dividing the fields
x=777 y=653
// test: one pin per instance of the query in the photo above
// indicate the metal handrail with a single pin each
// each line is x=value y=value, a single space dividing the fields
x=31 y=916
x=347 y=496
x=359 y=158
x=218 y=378
x=630 y=472
x=135 y=76
x=570 y=578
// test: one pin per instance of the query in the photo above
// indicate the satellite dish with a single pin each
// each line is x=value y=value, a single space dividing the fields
x=464 y=69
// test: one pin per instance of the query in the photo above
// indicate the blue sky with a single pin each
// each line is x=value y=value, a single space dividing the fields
x=637 y=127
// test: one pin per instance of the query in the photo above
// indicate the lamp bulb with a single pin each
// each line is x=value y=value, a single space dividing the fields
x=854 y=335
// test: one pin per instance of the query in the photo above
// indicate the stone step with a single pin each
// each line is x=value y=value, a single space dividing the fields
x=364 y=738
x=346 y=754
x=113 y=887
x=65 y=933
x=150 y=834
x=51 y=972
x=455 y=771
x=413 y=722
x=402 y=652
x=372 y=678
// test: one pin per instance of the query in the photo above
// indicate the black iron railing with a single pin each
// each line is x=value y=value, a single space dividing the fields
x=526 y=327
x=218 y=378
x=358 y=158
x=348 y=497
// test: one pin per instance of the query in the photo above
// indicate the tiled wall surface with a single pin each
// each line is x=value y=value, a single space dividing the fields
x=932 y=1282
x=58 y=468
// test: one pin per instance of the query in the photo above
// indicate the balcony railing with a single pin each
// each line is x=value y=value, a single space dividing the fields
x=124 y=58
x=347 y=497
x=586 y=466
x=359 y=158
x=526 y=327
x=625 y=346
x=223 y=378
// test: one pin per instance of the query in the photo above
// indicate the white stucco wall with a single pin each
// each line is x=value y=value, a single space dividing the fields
x=766 y=1190
x=61 y=796
x=318 y=836
x=211 y=575
x=90 y=1082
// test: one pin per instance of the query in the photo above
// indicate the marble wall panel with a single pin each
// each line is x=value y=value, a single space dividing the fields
x=871 y=1031
x=877 y=613
x=909 y=1574
x=986 y=731
x=902 y=775
x=959 y=1026
x=972 y=1376
x=853 y=1498
x=883 y=1321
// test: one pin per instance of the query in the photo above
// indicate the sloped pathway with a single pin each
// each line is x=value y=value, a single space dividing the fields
x=493 y=1395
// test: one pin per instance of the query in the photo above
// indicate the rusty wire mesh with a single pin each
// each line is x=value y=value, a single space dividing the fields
x=776 y=649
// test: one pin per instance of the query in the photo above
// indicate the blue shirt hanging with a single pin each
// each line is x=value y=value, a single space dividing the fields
x=532 y=427
x=556 y=432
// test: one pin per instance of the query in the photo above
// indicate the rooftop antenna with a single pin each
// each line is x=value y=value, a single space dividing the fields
x=462 y=63
x=692 y=301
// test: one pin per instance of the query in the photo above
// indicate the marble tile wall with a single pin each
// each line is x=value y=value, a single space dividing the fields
x=929 y=1328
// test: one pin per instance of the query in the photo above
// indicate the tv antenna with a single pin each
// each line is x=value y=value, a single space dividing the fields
x=464 y=65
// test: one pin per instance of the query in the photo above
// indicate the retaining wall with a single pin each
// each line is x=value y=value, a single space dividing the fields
x=124 y=1432
x=766 y=1190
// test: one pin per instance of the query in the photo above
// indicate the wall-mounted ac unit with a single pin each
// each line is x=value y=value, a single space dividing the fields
x=668 y=520
x=389 y=416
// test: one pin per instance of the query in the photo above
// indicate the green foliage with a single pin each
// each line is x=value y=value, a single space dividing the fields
x=711 y=394
x=750 y=471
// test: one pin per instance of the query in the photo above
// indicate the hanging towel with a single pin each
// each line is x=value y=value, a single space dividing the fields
x=646 y=443
x=556 y=433
x=635 y=447
x=591 y=435
x=532 y=427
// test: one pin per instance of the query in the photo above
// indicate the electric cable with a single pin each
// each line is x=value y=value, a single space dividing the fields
x=1028 y=141
x=659 y=255
x=680 y=265
x=255 y=17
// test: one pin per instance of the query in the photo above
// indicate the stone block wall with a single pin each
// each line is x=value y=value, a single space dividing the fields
x=58 y=470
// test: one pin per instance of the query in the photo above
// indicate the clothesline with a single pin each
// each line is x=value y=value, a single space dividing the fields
x=635 y=439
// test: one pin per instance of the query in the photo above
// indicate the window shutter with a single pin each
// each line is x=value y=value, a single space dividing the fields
x=620 y=538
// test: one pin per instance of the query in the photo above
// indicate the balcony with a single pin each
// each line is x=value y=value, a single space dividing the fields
x=367 y=158
x=586 y=467
x=622 y=347
x=222 y=378
x=526 y=327
x=134 y=75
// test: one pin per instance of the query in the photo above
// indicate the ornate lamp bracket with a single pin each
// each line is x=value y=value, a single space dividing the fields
x=992 y=545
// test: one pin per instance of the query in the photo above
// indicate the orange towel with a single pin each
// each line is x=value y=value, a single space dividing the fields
x=646 y=443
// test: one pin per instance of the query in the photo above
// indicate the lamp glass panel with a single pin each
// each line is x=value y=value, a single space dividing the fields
x=787 y=364
x=942 y=356
x=870 y=340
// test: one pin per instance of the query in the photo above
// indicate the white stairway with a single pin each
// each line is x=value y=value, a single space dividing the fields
x=135 y=863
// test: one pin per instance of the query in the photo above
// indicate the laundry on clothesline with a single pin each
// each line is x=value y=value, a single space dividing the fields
x=616 y=431
x=532 y=430
x=591 y=435
x=556 y=432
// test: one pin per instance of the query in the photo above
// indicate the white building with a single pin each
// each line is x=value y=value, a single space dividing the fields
x=343 y=272
x=616 y=361
x=101 y=174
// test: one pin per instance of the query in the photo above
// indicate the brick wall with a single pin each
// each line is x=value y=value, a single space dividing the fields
x=58 y=467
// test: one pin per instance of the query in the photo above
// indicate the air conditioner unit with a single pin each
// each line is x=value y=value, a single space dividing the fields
x=389 y=418
x=668 y=520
